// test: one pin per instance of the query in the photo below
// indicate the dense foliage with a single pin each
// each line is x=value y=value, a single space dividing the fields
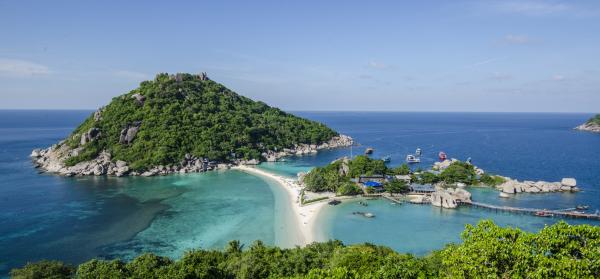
x=336 y=176
x=595 y=119
x=487 y=251
x=457 y=172
x=190 y=115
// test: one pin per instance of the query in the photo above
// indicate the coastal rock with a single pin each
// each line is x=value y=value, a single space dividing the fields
x=589 y=127
x=443 y=199
x=509 y=188
x=36 y=153
x=504 y=195
x=301 y=176
x=571 y=182
x=98 y=114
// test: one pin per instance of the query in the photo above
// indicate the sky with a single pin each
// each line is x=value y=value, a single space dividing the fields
x=500 y=56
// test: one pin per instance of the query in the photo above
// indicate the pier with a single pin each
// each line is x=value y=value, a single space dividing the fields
x=533 y=211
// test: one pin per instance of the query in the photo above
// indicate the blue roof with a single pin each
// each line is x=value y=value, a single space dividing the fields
x=372 y=184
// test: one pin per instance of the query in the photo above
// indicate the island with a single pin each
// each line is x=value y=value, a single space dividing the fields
x=182 y=123
x=592 y=125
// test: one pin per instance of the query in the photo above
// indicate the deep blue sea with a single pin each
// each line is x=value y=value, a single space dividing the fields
x=74 y=219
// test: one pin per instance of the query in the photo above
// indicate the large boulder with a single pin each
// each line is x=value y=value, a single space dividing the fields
x=509 y=187
x=90 y=135
x=443 y=199
x=571 y=182
x=129 y=132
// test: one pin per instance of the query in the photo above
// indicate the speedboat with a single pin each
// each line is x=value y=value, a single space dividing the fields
x=411 y=159
x=334 y=202
x=582 y=207
x=418 y=152
x=387 y=158
x=369 y=150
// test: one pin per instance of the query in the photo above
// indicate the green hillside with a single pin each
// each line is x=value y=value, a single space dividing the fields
x=173 y=115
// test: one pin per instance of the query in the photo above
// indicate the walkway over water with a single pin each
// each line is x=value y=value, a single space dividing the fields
x=533 y=211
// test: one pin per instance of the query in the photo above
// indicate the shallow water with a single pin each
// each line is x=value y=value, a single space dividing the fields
x=74 y=219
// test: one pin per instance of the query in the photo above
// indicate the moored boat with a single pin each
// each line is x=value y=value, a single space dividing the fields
x=369 y=150
x=543 y=214
x=334 y=202
x=418 y=152
x=582 y=207
x=411 y=159
x=387 y=158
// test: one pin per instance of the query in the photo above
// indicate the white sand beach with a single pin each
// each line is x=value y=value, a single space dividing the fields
x=305 y=215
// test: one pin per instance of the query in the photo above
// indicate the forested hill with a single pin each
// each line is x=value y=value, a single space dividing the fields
x=595 y=120
x=174 y=115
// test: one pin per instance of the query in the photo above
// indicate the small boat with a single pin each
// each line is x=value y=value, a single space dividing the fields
x=543 y=214
x=369 y=150
x=387 y=159
x=363 y=203
x=442 y=156
x=582 y=207
x=365 y=214
x=334 y=202
x=411 y=159
x=469 y=160
x=418 y=152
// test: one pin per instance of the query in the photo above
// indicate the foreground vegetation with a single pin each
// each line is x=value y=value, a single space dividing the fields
x=487 y=251
x=191 y=115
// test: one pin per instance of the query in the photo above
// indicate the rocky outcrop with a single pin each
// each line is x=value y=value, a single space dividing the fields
x=450 y=197
x=98 y=114
x=128 y=133
x=52 y=159
x=90 y=135
x=305 y=149
x=139 y=99
x=589 y=127
x=514 y=186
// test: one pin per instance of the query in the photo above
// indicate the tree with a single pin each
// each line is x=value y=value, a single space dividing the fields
x=401 y=170
x=43 y=269
x=395 y=186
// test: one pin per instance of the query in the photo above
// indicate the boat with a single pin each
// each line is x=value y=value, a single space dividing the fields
x=442 y=156
x=369 y=150
x=543 y=214
x=387 y=158
x=418 y=152
x=411 y=159
x=365 y=214
x=582 y=207
x=363 y=203
x=334 y=202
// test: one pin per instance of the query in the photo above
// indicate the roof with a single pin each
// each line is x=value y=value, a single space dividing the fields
x=422 y=188
x=372 y=184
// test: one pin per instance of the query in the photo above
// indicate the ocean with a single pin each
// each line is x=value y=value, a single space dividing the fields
x=74 y=219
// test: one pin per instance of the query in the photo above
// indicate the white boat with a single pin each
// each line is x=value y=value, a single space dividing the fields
x=411 y=159
x=418 y=152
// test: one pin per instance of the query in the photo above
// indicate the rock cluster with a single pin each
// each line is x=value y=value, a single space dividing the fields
x=304 y=149
x=90 y=135
x=52 y=159
x=128 y=133
x=514 y=186
x=139 y=99
x=450 y=197
x=589 y=127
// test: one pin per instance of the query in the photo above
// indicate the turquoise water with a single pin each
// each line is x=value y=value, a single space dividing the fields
x=74 y=219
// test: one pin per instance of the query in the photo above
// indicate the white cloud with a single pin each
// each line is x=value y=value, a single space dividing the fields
x=533 y=8
x=131 y=75
x=21 y=68
x=517 y=39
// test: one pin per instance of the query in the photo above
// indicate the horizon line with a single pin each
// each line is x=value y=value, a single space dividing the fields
x=334 y=110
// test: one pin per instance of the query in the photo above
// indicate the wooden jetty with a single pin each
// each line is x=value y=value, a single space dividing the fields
x=533 y=211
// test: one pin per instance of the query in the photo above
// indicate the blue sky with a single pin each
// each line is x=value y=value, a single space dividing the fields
x=529 y=55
